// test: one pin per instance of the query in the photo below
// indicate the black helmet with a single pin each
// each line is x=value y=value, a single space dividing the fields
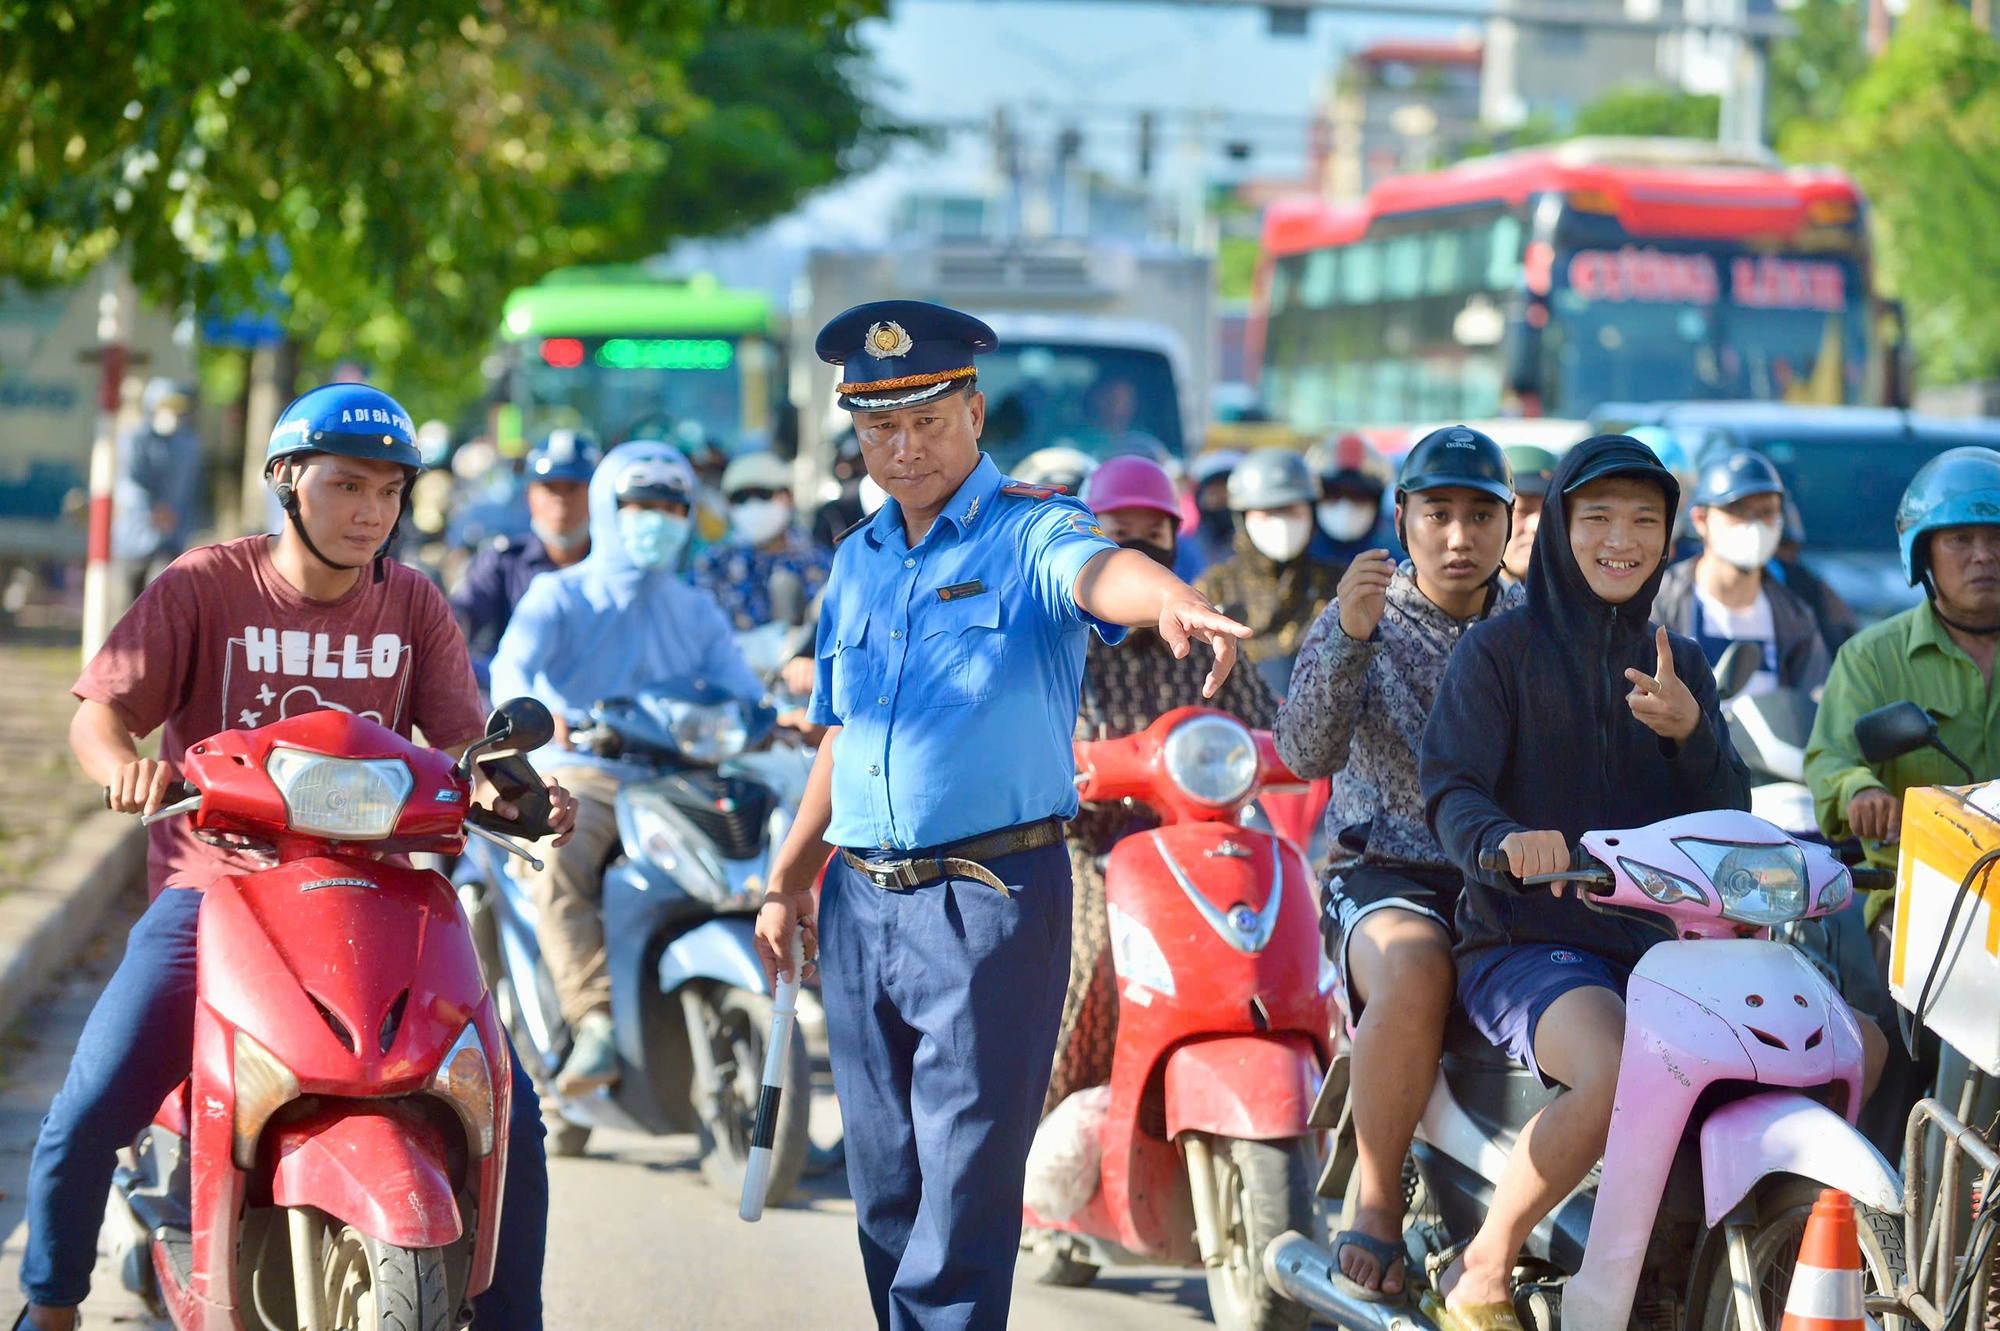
x=1457 y=455
x=1735 y=475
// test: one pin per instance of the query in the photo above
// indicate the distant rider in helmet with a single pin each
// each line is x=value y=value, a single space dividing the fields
x=243 y=634
x=1272 y=582
x=1125 y=689
x=1353 y=477
x=764 y=539
x=621 y=621
x=1361 y=691
x=1724 y=596
x=558 y=476
x=1533 y=468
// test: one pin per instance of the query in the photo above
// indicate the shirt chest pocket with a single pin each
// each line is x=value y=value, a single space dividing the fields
x=847 y=659
x=962 y=653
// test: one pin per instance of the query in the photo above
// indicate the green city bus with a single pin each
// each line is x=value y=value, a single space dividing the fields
x=623 y=354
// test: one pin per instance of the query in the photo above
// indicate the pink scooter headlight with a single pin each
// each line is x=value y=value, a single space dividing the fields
x=1760 y=885
x=1663 y=887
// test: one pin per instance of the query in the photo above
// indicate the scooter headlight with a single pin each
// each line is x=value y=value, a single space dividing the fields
x=708 y=732
x=669 y=848
x=1136 y=954
x=466 y=1079
x=1212 y=759
x=1663 y=887
x=263 y=1087
x=347 y=799
x=1760 y=885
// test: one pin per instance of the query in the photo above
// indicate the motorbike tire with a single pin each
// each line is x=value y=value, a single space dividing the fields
x=1783 y=1204
x=1263 y=1188
x=744 y=1026
x=375 y=1286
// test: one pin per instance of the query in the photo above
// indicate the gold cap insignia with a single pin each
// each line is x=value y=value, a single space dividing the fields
x=887 y=339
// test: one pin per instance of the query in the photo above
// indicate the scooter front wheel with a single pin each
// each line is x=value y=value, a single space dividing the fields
x=739 y=1029
x=1783 y=1204
x=1260 y=1190
x=374 y=1286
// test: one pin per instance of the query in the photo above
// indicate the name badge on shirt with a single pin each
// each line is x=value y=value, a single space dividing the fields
x=958 y=591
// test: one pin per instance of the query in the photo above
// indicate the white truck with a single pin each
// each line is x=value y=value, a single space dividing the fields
x=1101 y=346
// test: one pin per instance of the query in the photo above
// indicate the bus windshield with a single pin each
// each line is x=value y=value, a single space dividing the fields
x=1644 y=324
x=1100 y=399
x=658 y=387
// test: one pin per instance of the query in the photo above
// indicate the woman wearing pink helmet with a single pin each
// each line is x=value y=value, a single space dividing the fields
x=1125 y=689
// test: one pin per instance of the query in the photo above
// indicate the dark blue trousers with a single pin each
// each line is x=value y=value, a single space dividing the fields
x=137 y=1046
x=942 y=1006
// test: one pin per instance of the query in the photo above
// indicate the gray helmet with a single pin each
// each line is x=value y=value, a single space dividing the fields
x=1271 y=478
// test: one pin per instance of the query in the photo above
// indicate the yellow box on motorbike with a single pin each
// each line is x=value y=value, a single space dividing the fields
x=1951 y=981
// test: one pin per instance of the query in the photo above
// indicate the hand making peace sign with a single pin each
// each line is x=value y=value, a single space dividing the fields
x=1662 y=703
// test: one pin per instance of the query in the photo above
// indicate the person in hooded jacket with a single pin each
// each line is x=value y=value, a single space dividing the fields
x=1574 y=714
x=1126 y=687
x=619 y=622
x=1272 y=582
x=1361 y=690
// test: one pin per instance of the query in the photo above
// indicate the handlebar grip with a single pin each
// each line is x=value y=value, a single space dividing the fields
x=177 y=790
x=1493 y=860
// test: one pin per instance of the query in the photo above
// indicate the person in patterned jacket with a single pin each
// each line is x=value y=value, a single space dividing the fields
x=758 y=489
x=1125 y=689
x=1361 y=692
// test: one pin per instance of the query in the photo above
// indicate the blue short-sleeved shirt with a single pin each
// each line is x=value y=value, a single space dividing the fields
x=953 y=668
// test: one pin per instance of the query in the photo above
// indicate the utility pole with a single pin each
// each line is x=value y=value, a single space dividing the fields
x=103 y=601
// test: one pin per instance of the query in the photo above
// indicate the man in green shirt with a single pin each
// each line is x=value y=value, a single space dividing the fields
x=1938 y=655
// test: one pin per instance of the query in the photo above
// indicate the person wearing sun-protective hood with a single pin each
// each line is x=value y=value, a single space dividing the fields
x=1572 y=714
x=619 y=622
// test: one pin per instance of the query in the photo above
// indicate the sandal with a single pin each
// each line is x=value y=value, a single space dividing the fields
x=1471 y=1316
x=1387 y=1255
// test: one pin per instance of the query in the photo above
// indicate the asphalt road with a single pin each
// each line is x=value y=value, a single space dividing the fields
x=637 y=1239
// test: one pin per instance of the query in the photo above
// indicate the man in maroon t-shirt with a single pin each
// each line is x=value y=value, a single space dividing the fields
x=236 y=636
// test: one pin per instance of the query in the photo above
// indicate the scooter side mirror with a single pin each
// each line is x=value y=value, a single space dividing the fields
x=1738 y=666
x=1891 y=732
x=523 y=724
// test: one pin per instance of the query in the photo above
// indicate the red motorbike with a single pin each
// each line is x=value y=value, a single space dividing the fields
x=335 y=1159
x=1223 y=1021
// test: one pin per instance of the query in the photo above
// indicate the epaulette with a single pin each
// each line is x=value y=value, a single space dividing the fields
x=866 y=519
x=1023 y=490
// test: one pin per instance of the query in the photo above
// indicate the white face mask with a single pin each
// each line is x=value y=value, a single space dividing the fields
x=1279 y=536
x=166 y=422
x=1745 y=545
x=1346 y=519
x=758 y=522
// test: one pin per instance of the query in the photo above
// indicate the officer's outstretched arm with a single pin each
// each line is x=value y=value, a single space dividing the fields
x=789 y=901
x=1129 y=588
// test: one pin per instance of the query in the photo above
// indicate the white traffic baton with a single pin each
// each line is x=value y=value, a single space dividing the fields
x=784 y=1012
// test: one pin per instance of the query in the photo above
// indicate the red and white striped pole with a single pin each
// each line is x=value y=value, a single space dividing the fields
x=101 y=596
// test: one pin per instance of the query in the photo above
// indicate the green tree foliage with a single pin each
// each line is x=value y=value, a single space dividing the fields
x=1811 y=70
x=1920 y=131
x=391 y=170
x=1651 y=111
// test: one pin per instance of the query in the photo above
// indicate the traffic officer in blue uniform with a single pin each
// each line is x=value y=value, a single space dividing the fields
x=949 y=656
x=559 y=475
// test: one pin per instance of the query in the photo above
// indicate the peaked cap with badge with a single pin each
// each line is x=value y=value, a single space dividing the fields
x=898 y=353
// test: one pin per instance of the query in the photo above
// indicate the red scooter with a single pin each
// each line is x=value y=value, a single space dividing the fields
x=336 y=1158
x=1223 y=1022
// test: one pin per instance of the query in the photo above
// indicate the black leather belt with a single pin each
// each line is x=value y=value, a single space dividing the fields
x=958 y=859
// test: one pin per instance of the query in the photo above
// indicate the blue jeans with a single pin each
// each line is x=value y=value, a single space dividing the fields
x=137 y=1046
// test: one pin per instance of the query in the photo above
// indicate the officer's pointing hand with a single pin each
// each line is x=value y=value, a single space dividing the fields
x=1187 y=617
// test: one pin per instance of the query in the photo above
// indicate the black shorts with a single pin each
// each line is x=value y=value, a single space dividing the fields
x=1359 y=890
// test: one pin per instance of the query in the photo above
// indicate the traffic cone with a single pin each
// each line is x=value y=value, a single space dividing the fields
x=1826 y=1283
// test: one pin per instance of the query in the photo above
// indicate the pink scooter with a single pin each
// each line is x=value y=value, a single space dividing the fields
x=1740 y=1081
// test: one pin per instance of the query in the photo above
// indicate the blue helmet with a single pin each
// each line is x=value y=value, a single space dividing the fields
x=1960 y=487
x=352 y=420
x=566 y=455
x=1738 y=474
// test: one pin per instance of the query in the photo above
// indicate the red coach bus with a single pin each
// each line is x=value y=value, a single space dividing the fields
x=1548 y=280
